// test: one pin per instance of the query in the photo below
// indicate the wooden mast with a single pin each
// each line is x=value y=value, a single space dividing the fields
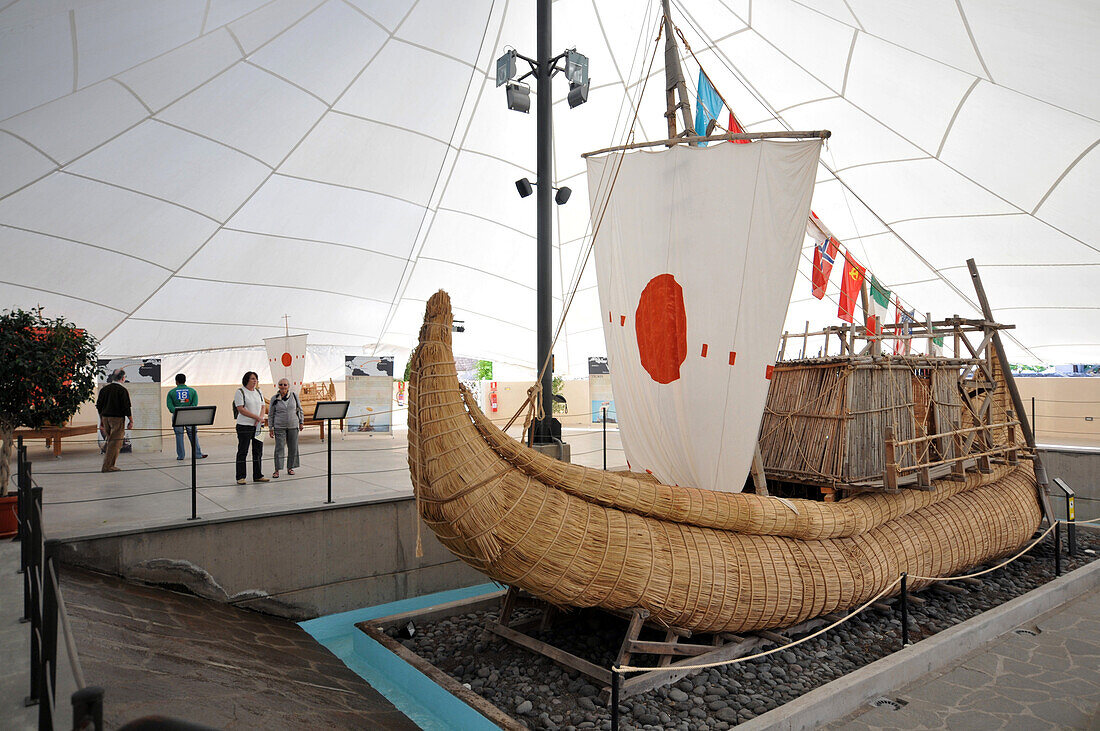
x=674 y=81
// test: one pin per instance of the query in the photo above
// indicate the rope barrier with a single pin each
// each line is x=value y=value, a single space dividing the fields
x=703 y=666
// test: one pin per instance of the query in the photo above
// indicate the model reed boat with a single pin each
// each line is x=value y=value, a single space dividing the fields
x=868 y=463
x=700 y=559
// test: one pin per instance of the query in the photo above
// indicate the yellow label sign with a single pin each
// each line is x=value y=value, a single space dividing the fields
x=1070 y=511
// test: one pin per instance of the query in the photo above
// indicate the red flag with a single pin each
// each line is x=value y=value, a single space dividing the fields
x=736 y=128
x=824 y=256
x=850 y=287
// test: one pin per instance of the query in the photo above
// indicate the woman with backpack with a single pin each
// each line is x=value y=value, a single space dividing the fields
x=286 y=420
x=251 y=411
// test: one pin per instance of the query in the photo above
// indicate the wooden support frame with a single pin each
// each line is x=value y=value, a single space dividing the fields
x=671 y=650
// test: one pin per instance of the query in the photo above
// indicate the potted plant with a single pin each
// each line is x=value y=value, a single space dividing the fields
x=47 y=370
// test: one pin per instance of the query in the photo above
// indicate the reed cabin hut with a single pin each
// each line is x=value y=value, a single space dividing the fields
x=868 y=418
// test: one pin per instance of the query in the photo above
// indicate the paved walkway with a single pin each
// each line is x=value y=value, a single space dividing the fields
x=1050 y=680
x=154 y=488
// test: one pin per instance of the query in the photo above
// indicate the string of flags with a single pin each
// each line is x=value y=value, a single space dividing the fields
x=709 y=104
x=826 y=250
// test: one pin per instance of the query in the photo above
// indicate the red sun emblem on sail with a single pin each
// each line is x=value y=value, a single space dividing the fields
x=660 y=324
x=287 y=360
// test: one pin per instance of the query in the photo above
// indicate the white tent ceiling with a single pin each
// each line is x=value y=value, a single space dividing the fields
x=180 y=175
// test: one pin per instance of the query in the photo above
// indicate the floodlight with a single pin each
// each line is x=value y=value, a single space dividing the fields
x=578 y=94
x=562 y=195
x=519 y=97
x=458 y=326
x=523 y=185
x=576 y=68
x=506 y=67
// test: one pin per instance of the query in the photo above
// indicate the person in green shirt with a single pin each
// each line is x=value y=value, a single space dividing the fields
x=184 y=395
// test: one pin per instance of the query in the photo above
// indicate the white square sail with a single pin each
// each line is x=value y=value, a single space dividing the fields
x=696 y=256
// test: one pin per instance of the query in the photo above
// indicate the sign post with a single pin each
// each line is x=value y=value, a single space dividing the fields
x=329 y=410
x=193 y=417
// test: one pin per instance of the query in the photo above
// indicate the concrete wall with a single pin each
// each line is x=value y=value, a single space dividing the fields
x=1063 y=407
x=298 y=565
x=1080 y=468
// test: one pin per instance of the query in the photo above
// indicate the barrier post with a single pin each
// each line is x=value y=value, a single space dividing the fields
x=904 y=609
x=329 y=462
x=47 y=667
x=51 y=549
x=24 y=509
x=34 y=576
x=20 y=507
x=1057 y=548
x=1071 y=514
x=192 y=433
x=605 y=438
x=615 y=680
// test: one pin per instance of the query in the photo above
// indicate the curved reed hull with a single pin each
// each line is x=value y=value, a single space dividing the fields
x=696 y=559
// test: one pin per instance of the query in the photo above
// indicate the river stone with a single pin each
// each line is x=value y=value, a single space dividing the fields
x=524 y=707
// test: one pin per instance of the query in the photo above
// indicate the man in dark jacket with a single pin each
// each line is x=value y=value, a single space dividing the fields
x=113 y=405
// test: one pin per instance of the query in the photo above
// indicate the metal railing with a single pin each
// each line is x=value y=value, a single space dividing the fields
x=44 y=609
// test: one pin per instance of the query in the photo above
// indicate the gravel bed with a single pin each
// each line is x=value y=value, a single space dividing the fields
x=544 y=695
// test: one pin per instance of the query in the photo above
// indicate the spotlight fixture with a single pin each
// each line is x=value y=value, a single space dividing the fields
x=458 y=326
x=519 y=97
x=578 y=94
x=576 y=67
x=506 y=67
x=523 y=185
x=562 y=195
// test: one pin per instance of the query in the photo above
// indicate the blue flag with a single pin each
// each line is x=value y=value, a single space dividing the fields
x=707 y=107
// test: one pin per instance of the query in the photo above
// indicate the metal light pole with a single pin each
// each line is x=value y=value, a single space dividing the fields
x=543 y=68
x=545 y=134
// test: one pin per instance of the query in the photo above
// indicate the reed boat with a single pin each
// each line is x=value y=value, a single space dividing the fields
x=701 y=559
x=865 y=463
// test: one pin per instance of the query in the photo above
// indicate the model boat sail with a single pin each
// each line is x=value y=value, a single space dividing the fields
x=696 y=254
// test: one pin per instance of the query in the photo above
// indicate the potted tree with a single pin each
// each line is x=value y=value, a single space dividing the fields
x=47 y=370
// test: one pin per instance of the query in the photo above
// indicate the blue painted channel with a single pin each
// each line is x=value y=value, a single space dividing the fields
x=409 y=690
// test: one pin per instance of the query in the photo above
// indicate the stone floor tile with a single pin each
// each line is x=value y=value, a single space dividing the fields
x=984 y=662
x=966 y=678
x=1060 y=713
x=990 y=703
x=1030 y=723
x=973 y=721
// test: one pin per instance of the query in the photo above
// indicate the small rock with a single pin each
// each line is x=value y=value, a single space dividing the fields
x=726 y=714
x=677 y=695
x=524 y=707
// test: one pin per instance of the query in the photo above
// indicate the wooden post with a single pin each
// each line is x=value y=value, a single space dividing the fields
x=805 y=339
x=958 y=469
x=758 y=477
x=826 y=351
x=1006 y=371
x=783 y=346
x=958 y=334
x=928 y=323
x=924 y=479
x=890 y=476
x=1011 y=437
